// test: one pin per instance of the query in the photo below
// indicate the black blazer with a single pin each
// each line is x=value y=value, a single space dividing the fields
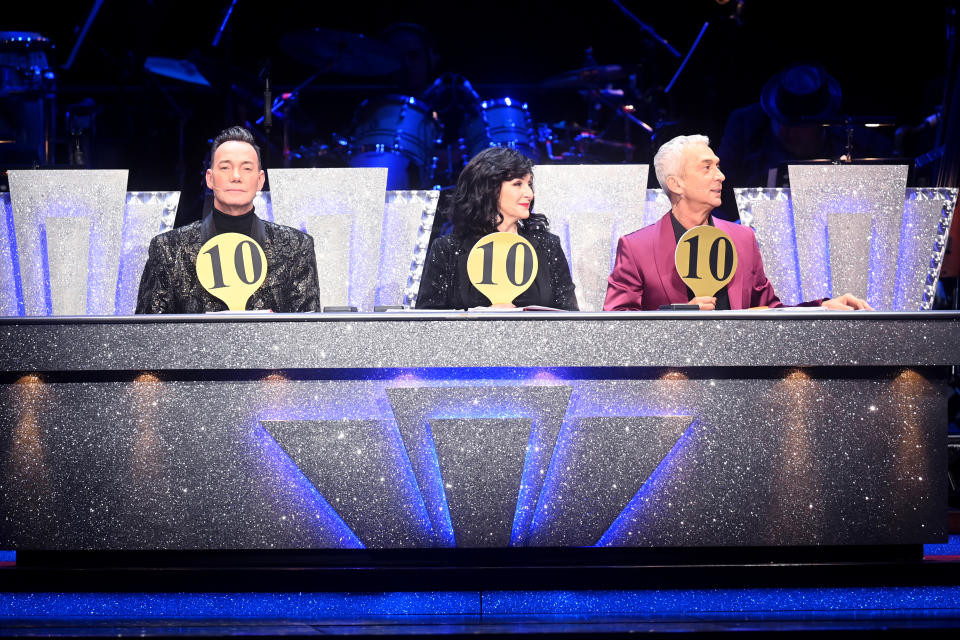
x=169 y=283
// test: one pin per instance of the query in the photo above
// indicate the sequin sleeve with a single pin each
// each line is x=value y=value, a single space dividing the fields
x=156 y=293
x=304 y=283
x=439 y=275
x=560 y=280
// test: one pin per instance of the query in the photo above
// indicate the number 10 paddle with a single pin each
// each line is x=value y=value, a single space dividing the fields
x=706 y=260
x=231 y=266
x=502 y=266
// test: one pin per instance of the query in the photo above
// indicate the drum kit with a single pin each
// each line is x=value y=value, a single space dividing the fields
x=27 y=83
x=427 y=139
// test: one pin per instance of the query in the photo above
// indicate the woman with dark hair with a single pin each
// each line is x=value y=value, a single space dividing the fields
x=495 y=193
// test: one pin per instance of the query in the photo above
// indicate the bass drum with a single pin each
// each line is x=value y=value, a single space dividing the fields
x=499 y=123
x=399 y=133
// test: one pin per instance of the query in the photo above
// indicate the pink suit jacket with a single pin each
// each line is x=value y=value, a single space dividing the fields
x=645 y=276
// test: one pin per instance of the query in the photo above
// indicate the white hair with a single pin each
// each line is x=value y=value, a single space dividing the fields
x=669 y=159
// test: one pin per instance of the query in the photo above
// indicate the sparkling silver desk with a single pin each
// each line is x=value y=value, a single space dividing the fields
x=416 y=430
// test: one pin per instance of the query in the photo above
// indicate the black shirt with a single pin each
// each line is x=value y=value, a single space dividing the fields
x=723 y=298
x=233 y=224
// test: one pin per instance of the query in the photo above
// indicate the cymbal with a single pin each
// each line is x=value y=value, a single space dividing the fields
x=351 y=54
x=177 y=69
x=587 y=77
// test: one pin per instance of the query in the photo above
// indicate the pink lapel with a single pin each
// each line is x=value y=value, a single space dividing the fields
x=664 y=250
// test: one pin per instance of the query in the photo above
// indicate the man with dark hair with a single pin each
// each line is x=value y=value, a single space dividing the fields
x=170 y=284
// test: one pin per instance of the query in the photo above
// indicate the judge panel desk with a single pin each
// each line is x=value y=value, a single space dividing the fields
x=415 y=430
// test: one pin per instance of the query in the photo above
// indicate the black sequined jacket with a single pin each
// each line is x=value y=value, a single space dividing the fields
x=445 y=285
x=169 y=283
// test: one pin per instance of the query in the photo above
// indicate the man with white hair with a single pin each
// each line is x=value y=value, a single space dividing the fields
x=644 y=275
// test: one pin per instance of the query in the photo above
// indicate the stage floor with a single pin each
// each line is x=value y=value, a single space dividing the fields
x=899 y=598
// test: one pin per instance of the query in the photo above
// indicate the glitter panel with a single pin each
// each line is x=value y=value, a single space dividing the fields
x=357 y=195
x=875 y=192
x=589 y=208
x=417 y=406
x=658 y=203
x=481 y=464
x=361 y=471
x=68 y=244
x=643 y=339
x=263 y=205
x=666 y=603
x=407 y=222
x=849 y=252
x=600 y=465
x=892 y=603
x=146 y=215
x=232 y=606
x=928 y=214
x=769 y=213
x=850 y=455
x=9 y=268
x=921 y=243
x=98 y=195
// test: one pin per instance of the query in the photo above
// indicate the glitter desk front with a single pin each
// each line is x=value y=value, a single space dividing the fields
x=417 y=430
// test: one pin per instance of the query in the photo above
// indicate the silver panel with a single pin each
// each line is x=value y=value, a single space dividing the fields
x=926 y=219
x=147 y=213
x=8 y=281
x=136 y=460
x=601 y=464
x=68 y=247
x=872 y=191
x=37 y=196
x=923 y=240
x=849 y=239
x=354 y=466
x=407 y=223
x=297 y=195
x=481 y=465
x=417 y=407
x=589 y=208
x=769 y=213
x=520 y=339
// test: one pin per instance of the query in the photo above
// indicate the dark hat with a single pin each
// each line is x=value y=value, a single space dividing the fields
x=801 y=93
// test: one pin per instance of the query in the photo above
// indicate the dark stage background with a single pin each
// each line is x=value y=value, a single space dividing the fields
x=891 y=60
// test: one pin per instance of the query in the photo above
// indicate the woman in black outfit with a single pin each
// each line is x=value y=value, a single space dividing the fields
x=495 y=193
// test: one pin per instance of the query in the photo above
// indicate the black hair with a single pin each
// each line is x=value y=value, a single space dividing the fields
x=476 y=202
x=238 y=134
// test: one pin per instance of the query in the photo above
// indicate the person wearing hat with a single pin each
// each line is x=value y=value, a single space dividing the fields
x=785 y=126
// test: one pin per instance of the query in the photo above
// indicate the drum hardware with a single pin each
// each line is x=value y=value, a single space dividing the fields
x=27 y=89
x=400 y=133
x=849 y=124
x=588 y=77
x=503 y=122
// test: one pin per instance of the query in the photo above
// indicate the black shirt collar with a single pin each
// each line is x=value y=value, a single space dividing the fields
x=679 y=230
x=233 y=224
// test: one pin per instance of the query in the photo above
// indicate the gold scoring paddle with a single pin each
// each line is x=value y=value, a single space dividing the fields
x=502 y=266
x=231 y=266
x=705 y=259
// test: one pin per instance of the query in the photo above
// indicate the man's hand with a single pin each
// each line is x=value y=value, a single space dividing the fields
x=846 y=302
x=707 y=303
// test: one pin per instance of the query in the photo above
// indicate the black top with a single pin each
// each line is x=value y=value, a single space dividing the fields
x=445 y=284
x=232 y=224
x=723 y=298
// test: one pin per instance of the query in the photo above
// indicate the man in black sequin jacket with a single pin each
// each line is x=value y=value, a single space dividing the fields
x=169 y=283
